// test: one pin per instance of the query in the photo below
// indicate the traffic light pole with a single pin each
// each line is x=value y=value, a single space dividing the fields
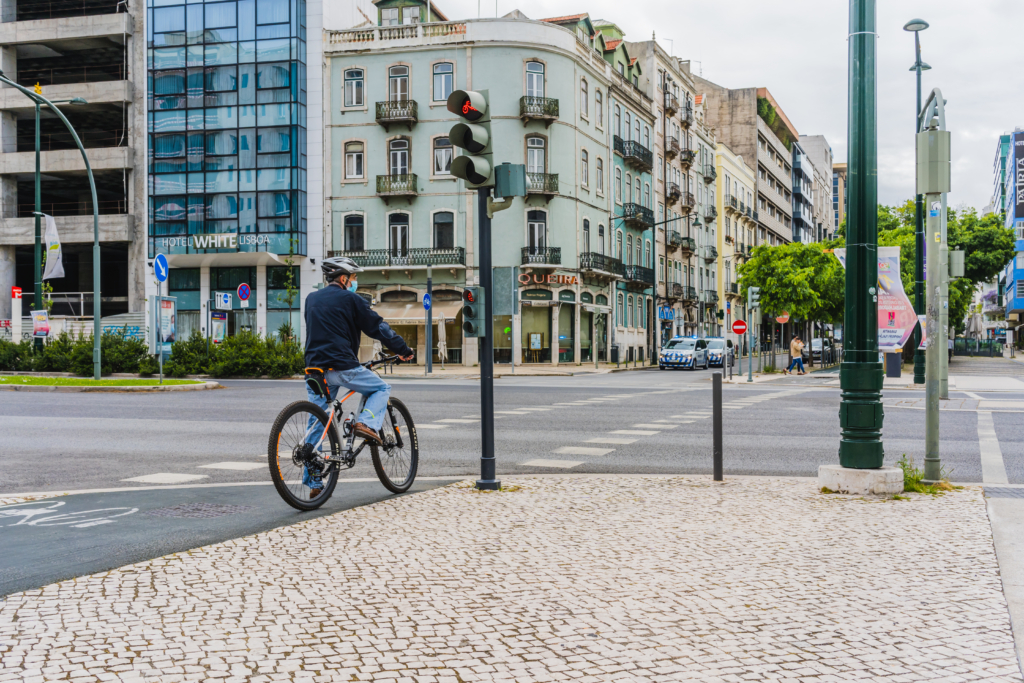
x=488 y=480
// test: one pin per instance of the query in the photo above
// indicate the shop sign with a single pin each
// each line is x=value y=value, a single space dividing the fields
x=567 y=295
x=536 y=295
x=666 y=313
x=526 y=279
x=221 y=241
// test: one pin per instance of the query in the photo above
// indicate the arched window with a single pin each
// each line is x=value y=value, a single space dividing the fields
x=629 y=189
x=398 y=156
x=584 y=167
x=636 y=128
x=354 y=233
x=444 y=230
x=629 y=311
x=536 y=159
x=641 y=318
x=647 y=137
x=600 y=239
x=647 y=256
x=444 y=78
x=398 y=234
x=629 y=124
x=353 y=160
x=619 y=312
x=618 y=185
x=618 y=245
x=537 y=232
x=584 y=98
x=586 y=235
x=647 y=195
x=637 y=187
x=443 y=153
x=598 y=108
x=534 y=79
x=629 y=249
x=617 y=123
x=398 y=83
x=354 y=88
x=600 y=174
x=639 y=259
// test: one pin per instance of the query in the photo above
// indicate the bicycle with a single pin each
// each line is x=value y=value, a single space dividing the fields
x=305 y=449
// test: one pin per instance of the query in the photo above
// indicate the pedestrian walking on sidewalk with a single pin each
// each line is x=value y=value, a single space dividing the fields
x=796 y=351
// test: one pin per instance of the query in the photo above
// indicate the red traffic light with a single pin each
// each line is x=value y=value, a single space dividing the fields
x=467 y=296
x=467 y=107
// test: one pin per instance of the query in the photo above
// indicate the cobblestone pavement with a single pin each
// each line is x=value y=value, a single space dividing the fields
x=562 y=578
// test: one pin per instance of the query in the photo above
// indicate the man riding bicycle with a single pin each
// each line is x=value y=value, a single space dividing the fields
x=336 y=318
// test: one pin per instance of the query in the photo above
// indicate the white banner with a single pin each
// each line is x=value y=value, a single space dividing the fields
x=54 y=262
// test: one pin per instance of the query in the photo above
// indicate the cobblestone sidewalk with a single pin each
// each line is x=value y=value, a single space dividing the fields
x=563 y=578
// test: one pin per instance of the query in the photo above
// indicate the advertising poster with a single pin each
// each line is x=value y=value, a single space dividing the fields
x=218 y=326
x=896 y=316
x=1018 y=169
x=40 y=324
x=168 y=321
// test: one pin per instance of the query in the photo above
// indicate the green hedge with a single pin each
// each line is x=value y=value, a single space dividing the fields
x=244 y=355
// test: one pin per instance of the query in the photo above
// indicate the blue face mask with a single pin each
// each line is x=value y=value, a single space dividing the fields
x=353 y=286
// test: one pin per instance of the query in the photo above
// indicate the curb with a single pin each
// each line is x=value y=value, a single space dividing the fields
x=130 y=389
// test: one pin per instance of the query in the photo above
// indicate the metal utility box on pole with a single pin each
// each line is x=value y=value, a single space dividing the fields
x=861 y=376
x=933 y=179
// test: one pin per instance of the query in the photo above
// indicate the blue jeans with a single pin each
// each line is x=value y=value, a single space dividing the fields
x=798 y=362
x=362 y=381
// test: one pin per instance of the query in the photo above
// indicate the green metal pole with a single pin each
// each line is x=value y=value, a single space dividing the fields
x=37 y=259
x=860 y=410
x=919 y=302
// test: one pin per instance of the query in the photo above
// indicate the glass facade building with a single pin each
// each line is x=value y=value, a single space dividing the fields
x=227 y=126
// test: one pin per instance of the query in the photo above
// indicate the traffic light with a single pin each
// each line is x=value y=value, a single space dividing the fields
x=473 y=322
x=473 y=135
x=753 y=297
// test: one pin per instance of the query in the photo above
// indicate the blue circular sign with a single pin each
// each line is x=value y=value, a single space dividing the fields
x=426 y=302
x=160 y=267
x=243 y=291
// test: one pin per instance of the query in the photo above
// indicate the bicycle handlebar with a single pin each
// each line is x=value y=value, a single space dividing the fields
x=383 y=361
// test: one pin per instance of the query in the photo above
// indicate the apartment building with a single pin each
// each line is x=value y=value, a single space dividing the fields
x=573 y=276
x=93 y=52
x=804 y=225
x=998 y=203
x=838 y=194
x=818 y=150
x=736 y=183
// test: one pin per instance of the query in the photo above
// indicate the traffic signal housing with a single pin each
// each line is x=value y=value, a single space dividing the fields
x=473 y=319
x=753 y=297
x=472 y=135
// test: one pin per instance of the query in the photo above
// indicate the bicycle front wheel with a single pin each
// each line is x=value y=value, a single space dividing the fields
x=296 y=466
x=396 y=461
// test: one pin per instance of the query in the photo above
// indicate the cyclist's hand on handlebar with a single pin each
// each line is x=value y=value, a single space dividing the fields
x=407 y=358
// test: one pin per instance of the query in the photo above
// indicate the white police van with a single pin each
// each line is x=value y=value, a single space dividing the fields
x=684 y=352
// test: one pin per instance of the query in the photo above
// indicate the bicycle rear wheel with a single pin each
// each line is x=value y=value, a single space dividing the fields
x=396 y=461
x=294 y=466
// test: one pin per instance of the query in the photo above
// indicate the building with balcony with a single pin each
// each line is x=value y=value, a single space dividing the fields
x=838 y=194
x=1012 y=278
x=557 y=253
x=819 y=151
x=93 y=51
x=735 y=184
x=804 y=227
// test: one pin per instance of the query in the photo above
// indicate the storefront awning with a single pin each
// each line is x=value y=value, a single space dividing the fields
x=412 y=313
x=238 y=258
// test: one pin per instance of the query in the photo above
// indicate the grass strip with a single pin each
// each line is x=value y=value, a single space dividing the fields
x=27 y=380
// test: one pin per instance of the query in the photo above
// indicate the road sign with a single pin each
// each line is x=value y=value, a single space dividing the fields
x=160 y=267
x=243 y=294
x=426 y=302
x=222 y=301
x=15 y=292
x=784 y=318
x=739 y=326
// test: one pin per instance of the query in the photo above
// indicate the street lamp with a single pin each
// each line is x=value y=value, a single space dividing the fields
x=915 y=26
x=37 y=97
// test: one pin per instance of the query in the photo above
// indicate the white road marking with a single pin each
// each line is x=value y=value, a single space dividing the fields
x=563 y=464
x=611 y=439
x=993 y=471
x=634 y=432
x=168 y=478
x=582 y=450
x=574 y=403
x=997 y=404
x=650 y=425
x=533 y=409
x=232 y=466
x=430 y=426
x=973 y=395
x=459 y=420
x=511 y=412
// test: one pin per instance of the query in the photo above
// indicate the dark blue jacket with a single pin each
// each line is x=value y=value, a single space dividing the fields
x=335 y=320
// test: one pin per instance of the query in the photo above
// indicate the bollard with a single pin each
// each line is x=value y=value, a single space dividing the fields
x=716 y=401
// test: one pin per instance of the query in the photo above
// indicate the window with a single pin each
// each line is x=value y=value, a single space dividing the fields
x=584 y=168
x=534 y=79
x=629 y=249
x=586 y=235
x=535 y=157
x=618 y=311
x=647 y=137
x=444 y=75
x=637 y=187
x=618 y=185
x=600 y=175
x=622 y=69
x=353 y=160
x=636 y=81
x=398 y=83
x=648 y=262
x=398 y=157
x=444 y=230
x=636 y=128
x=354 y=233
x=629 y=124
x=410 y=15
x=389 y=17
x=537 y=232
x=617 y=122
x=600 y=239
x=647 y=195
x=661 y=269
x=629 y=310
x=598 y=109
x=398 y=234
x=354 y=88
x=584 y=99
x=442 y=156
x=629 y=189
x=618 y=245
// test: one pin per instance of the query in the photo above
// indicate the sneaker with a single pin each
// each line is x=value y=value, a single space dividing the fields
x=364 y=432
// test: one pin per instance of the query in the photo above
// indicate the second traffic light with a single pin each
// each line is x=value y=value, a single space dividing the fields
x=753 y=297
x=473 y=318
x=473 y=135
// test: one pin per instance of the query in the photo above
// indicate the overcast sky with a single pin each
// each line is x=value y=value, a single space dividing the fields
x=797 y=49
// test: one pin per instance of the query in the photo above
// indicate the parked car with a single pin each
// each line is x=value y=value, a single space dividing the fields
x=718 y=352
x=818 y=346
x=684 y=352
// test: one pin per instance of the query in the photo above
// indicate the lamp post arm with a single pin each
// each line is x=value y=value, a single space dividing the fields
x=39 y=99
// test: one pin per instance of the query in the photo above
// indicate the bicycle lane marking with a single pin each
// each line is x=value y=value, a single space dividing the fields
x=40 y=513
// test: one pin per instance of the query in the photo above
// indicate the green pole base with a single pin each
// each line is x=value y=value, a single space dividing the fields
x=861 y=415
x=919 y=373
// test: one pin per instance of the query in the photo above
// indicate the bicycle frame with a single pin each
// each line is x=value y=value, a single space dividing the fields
x=335 y=409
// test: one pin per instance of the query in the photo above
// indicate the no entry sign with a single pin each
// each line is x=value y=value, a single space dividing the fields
x=739 y=327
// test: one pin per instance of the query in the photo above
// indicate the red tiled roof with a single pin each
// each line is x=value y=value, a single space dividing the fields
x=559 y=20
x=632 y=61
x=611 y=44
x=698 y=99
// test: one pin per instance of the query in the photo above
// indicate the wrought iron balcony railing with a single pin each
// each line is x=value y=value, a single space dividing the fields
x=686 y=115
x=397 y=111
x=687 y=202
x=541 y=183
x=710 y=173
x=689 y=293
x=730 y=202
x=638 y=275
x=686 y=157
x=710 y=212
x=401 y=258
x=741 y=250
x=542 y=256
x=601 y=263
x=634 y=153
x=676 y=239
x=671 y=104
x=671 y=146
x=399 y=185
x=637 y=214
x=734 y=288
x=710 y=296
x=674 y=193
x=710 y=253
x=538 y=108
